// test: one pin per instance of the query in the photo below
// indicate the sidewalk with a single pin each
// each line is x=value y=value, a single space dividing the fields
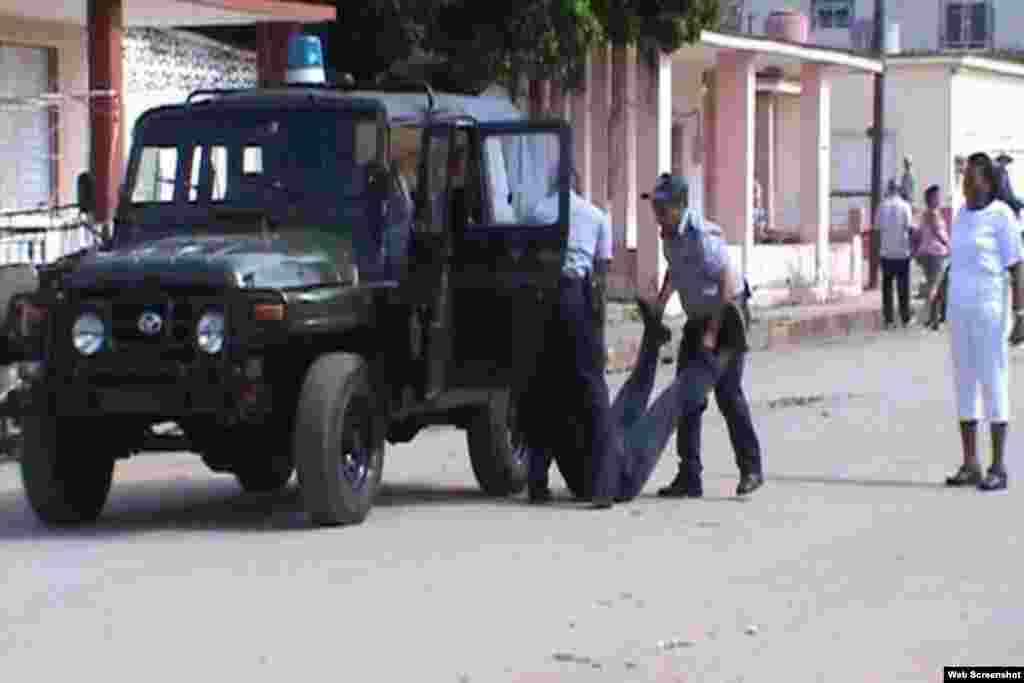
x=771 y=328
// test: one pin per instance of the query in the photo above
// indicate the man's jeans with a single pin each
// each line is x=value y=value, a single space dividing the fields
x=899 y=270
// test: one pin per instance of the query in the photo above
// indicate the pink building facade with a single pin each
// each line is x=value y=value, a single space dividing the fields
x=743 y=118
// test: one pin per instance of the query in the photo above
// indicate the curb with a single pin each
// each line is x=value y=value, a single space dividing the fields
x=765 y=335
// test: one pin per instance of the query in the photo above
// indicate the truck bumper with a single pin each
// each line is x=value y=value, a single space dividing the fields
x=168 y=391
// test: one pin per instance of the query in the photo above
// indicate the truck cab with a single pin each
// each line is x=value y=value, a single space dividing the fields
x=297 y=277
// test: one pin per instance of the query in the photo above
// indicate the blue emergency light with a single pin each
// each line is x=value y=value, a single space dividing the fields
x=305 y=61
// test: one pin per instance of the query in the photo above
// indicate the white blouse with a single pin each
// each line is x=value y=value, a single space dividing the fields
x=983 y=244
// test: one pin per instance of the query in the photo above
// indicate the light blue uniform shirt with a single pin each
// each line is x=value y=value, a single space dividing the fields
x=697 y=255
x=590 y=233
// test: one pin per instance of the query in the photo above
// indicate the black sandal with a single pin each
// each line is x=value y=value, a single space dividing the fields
x=965 y=476
x=995 y=480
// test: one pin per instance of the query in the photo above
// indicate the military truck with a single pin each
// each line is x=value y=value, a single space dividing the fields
x=296 y=277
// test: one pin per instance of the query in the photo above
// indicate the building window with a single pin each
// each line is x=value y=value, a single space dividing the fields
x=969 y=25
x=832 y=13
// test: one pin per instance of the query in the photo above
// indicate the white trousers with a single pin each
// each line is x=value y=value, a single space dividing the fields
x=981 y=361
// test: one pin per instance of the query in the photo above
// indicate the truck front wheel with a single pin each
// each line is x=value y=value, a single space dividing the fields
x=66 y=482
x=339 y=450
x=496 y=452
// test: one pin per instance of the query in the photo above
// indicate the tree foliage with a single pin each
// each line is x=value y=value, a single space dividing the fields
x=476 y=42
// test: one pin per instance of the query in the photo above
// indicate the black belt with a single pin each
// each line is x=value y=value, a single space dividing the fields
x=567 y=279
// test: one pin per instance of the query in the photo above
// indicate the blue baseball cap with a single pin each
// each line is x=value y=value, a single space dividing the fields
x=669 y=189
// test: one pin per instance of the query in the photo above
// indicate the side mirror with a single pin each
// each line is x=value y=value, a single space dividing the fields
x=87 y=192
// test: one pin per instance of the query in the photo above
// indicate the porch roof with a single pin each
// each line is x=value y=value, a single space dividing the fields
x=784 y=55
x=166 y=13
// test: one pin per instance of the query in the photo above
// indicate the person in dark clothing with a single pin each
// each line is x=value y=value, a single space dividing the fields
x=640 y=432
x=571 y=369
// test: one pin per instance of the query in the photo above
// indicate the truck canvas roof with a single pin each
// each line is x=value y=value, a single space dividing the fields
x=402 y=108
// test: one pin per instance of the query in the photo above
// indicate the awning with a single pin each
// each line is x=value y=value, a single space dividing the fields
x=166 y=13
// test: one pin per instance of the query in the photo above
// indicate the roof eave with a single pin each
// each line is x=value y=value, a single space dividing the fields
x=808 y=53
x=998 y=66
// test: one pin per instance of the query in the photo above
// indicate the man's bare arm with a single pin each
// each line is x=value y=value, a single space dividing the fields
x=1017 y=331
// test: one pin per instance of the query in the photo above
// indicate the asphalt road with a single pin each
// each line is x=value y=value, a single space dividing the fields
x=853 y=563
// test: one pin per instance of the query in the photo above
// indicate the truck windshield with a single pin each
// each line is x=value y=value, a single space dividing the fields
x=255 y=158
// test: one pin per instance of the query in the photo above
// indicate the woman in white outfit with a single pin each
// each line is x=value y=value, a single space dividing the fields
x=985 y=245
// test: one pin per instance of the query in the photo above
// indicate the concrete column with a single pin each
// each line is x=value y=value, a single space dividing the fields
x=622 y=146
x=678 y=149
x=816 y=166
x=859 y=225
x=582 y=126
x=734 y=154
x=272 y=51
x=656 y=138
x=105 y=26
x=646 y=167
x=766 y=150
x=600 y=107
x=710 y=140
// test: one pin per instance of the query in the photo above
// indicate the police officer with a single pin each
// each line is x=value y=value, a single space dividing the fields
x=702 y=272
x=572 y=366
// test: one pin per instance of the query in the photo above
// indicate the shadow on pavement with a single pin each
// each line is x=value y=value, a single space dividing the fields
x=215 y=504
x=842 y=481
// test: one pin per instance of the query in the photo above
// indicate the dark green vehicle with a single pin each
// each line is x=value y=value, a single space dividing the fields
x=296 y=277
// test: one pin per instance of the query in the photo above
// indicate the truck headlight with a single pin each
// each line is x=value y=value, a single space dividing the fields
x=88 y=334
x=210 y=332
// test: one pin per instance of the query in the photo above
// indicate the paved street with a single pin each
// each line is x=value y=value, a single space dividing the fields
x=852 y=564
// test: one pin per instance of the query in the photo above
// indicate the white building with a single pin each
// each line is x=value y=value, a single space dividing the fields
x=923 y=25
x=950 y=88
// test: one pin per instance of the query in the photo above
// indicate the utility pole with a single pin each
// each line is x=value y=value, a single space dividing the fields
x=877 y=143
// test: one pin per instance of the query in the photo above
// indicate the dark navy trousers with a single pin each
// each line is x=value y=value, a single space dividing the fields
x=571 y=380
x=728 y=389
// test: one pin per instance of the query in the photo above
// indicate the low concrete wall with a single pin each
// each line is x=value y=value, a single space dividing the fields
x=775 y=266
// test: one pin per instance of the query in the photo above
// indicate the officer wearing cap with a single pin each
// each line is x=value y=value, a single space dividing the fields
x=572 y=367
x=701 y=271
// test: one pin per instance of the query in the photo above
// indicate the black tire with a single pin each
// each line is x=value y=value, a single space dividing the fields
x=339 y=452
x=496 y=452
x=67 y=483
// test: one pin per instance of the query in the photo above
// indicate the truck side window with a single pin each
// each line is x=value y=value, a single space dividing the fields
x=158 y=169
x=219 y=171
x=196 y=167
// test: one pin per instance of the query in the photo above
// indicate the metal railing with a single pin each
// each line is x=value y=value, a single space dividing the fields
x=43 y=235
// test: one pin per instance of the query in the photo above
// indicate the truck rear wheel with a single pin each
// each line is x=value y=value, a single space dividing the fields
x=339 y=453
x=496 y=452
x=66 y=482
